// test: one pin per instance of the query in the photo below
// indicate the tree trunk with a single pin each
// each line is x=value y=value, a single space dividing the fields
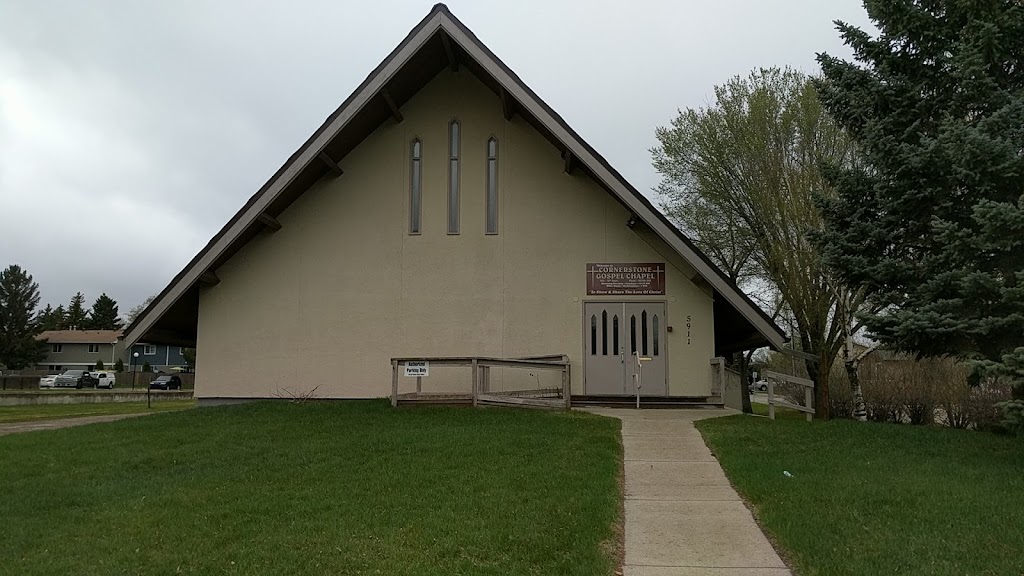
x=741 y=362
x=822 y=408
x=860 y=411
x=817 y=371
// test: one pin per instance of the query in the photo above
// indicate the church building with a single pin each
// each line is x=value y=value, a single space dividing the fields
x=445 y=210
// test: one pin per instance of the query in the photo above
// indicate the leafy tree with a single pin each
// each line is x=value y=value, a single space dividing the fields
x=137 y=309
x=19 y=296
x=99 y=365
x=189 y=354
x=119 y=365
x=741 y=174
x=76 y=317
x=104 y=315
x=146 y=367
x=931 y=224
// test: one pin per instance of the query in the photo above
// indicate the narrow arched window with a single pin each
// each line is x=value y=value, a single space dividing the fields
x=643 y=333
x=492 y=186
x=454 y=135
x=654 y=329
x=593 y=335
x=615 y=334
x=604 y=332
x=415 y=186
x=632 y=334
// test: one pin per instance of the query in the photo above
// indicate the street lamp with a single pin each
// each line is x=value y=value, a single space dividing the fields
x=135 y=356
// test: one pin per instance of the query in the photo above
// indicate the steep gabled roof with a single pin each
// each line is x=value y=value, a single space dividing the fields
x=439 y=40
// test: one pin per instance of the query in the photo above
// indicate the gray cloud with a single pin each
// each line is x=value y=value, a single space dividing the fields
x=130 y=131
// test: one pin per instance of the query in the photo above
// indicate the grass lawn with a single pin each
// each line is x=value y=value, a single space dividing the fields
x=316 y=488
x=870 y=498
x=32 y=412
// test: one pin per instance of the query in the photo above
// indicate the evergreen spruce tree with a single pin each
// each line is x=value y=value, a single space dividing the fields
x=931 y=223
x=19 y=296
x=76 y=316
x=47 y=319
x=60 y=316
x=104 y=314
x=119 y=365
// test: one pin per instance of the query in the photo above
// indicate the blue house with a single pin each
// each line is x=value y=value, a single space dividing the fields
x=161 y=358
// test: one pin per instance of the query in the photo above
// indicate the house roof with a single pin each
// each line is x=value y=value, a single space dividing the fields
x=439 y=40
x=80 y=336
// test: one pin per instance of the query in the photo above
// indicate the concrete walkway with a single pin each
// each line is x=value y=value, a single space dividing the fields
x=16 y=427
x=682 y=516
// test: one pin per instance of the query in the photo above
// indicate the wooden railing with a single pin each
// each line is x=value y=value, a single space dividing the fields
x=773 y=401
x=480 y=391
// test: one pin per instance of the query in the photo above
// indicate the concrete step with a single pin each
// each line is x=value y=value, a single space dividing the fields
x=648 y=401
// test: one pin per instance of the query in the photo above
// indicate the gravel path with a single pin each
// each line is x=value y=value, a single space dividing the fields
x=16 y=427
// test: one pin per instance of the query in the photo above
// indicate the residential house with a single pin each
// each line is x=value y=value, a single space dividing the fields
x=161 y=357
x=80 y=349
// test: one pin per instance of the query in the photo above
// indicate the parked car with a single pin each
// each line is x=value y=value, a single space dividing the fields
x=760 y=385
x=165 y=382
x=75 y=379
x=47 y=381
x=104 y=379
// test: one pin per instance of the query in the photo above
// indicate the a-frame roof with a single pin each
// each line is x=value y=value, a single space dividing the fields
x=439 y=40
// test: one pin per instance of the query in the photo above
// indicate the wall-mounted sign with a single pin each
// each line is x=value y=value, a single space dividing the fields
x=421 y=368
x=626 y=279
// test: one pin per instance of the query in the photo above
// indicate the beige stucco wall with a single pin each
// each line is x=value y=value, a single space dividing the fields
x=328 y=299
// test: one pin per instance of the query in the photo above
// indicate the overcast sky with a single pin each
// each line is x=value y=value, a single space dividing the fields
x=131 y=131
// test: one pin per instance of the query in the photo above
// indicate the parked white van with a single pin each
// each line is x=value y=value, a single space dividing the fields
x=104 y=379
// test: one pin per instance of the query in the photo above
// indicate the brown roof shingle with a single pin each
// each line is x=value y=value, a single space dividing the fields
x=80 y=336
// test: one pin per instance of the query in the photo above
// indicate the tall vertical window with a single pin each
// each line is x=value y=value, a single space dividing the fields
x=604 y=332
x=454 y=134
x=643 y=332
x=615 y=334
x=593 y=335
x=632 y=334
x=654 y=327
x=492 y=186
x=415 y=186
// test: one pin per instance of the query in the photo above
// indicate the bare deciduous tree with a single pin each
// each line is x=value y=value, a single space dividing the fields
x=741 y=175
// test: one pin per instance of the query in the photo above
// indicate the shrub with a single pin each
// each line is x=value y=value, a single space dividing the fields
x=119 y=365
x=840 y=397
x=1013 y=416
x=146 y=367
x=99 y=364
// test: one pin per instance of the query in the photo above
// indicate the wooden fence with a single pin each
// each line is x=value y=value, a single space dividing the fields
x=480 y=392
x=774 y=401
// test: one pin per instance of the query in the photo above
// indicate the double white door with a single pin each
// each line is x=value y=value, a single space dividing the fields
x=615 y=332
